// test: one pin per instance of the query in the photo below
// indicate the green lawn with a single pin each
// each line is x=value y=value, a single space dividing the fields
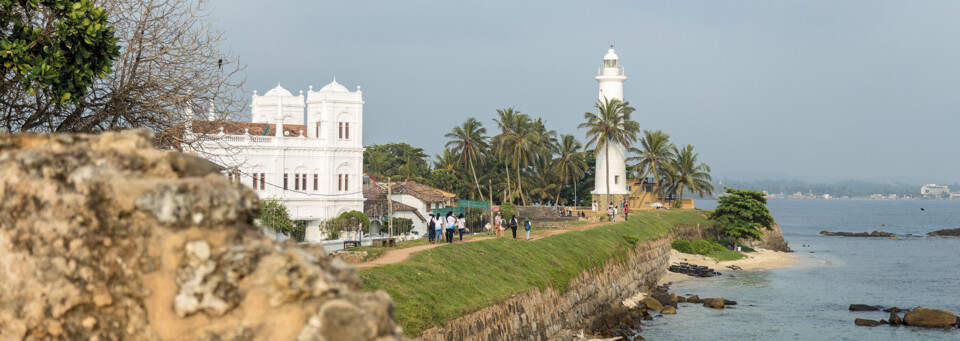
x=445 y=283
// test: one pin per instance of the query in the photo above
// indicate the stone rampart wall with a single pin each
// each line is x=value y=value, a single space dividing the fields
x=550 y=315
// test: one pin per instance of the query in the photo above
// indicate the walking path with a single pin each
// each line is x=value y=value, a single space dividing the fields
x=400 y=255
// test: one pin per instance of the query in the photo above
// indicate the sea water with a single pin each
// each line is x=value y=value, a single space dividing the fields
x=810 y=301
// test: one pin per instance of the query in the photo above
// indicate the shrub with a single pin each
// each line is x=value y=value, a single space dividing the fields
x=631 y=238
x=508 y=210
x=711 y=248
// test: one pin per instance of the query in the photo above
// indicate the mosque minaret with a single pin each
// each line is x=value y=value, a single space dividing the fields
x=611 y=78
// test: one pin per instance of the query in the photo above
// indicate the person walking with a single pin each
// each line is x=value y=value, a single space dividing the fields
x=462 y=225
x=451 y=225
x=626 y=212
x=526 y=228
x=610 y=212
x=500 y=225
x=430 y=224
x=513 y=225
x=615 y=214
x=438 y=227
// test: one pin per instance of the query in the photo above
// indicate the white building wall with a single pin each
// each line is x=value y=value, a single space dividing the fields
x=275 y=156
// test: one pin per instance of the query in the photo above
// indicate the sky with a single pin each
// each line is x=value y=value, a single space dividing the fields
x=810 y=90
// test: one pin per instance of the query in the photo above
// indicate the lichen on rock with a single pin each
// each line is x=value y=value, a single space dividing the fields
x=104 y=237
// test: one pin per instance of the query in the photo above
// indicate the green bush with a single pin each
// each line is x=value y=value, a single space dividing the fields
x=508 y=210
x=683 y=246
x=631 y=238
x=711 y=248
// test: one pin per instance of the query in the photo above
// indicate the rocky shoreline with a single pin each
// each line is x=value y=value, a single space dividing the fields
x=917 y=317
x=875 y=234
x=626 y=322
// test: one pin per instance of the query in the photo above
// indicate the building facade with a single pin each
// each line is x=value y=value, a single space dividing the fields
x=611 y=78
x=304 y=150
x=934 y=191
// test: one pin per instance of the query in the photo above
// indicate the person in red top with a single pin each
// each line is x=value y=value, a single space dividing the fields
x=626 y=212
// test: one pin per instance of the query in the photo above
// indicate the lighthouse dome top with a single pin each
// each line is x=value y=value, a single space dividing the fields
x=278 y=91
x=334 y=86
x=610 y=55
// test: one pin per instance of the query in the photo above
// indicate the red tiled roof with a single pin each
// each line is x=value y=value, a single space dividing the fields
x=173 y=137
x=420 y=191
x=237 y=128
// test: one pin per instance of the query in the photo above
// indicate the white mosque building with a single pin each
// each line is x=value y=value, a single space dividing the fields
x=611 y=78
x=304 y=150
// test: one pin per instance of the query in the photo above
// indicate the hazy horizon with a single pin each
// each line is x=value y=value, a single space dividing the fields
x=862 y=90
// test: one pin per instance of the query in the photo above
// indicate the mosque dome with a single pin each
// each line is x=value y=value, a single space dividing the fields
x=610 y=55
x=334 y=86
x=278 y=91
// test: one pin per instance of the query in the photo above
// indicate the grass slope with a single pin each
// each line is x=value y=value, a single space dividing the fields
x=447 y=282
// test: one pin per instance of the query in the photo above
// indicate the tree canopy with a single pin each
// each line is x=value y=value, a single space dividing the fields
x=54 y=49
x=742 y=213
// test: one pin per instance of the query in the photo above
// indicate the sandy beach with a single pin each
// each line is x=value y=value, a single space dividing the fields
x=762 y=259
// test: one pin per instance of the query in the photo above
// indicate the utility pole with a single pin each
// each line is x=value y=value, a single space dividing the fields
x=490 y=189
x=389 y=208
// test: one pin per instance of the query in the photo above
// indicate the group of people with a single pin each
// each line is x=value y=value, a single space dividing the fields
x=614 y=210
x=500 y=226
x=439 y=226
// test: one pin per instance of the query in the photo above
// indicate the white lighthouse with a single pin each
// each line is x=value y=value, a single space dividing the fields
x=611 y=78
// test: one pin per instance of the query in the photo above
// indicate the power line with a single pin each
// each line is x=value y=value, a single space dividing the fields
x=297 y=191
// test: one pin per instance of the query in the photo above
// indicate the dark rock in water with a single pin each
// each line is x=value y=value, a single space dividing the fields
x=926 y=317
x=694 y=299
x=895 y=319
x=681 y=299
x=866 y=322
x=729 y=302
x=647 y=318
x=858 y=234
x=665 y=299
x=715 y=303
x=945 y=233
x=884 y=322
x=892 y=310
x=863 y=307
x=669 y=310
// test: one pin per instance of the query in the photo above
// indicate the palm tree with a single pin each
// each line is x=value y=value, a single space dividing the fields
x=469 y=141
x=446 y=161
x=543 y=179
x=378 y=163
x=505 y=120
x=570 y=164
x=689 y=174
x=654 y=156
x=610 y=124
x=523 y=143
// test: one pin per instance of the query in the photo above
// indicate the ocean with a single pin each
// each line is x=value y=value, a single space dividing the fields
x=810 y=301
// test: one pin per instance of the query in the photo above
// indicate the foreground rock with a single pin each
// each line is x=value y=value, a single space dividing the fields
x=104 y=237
x=866 y=323
x=945 y=233
x=926 y=317
x=880 y=234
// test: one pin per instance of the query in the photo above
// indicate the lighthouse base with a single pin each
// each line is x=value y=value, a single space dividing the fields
x=602 y=201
